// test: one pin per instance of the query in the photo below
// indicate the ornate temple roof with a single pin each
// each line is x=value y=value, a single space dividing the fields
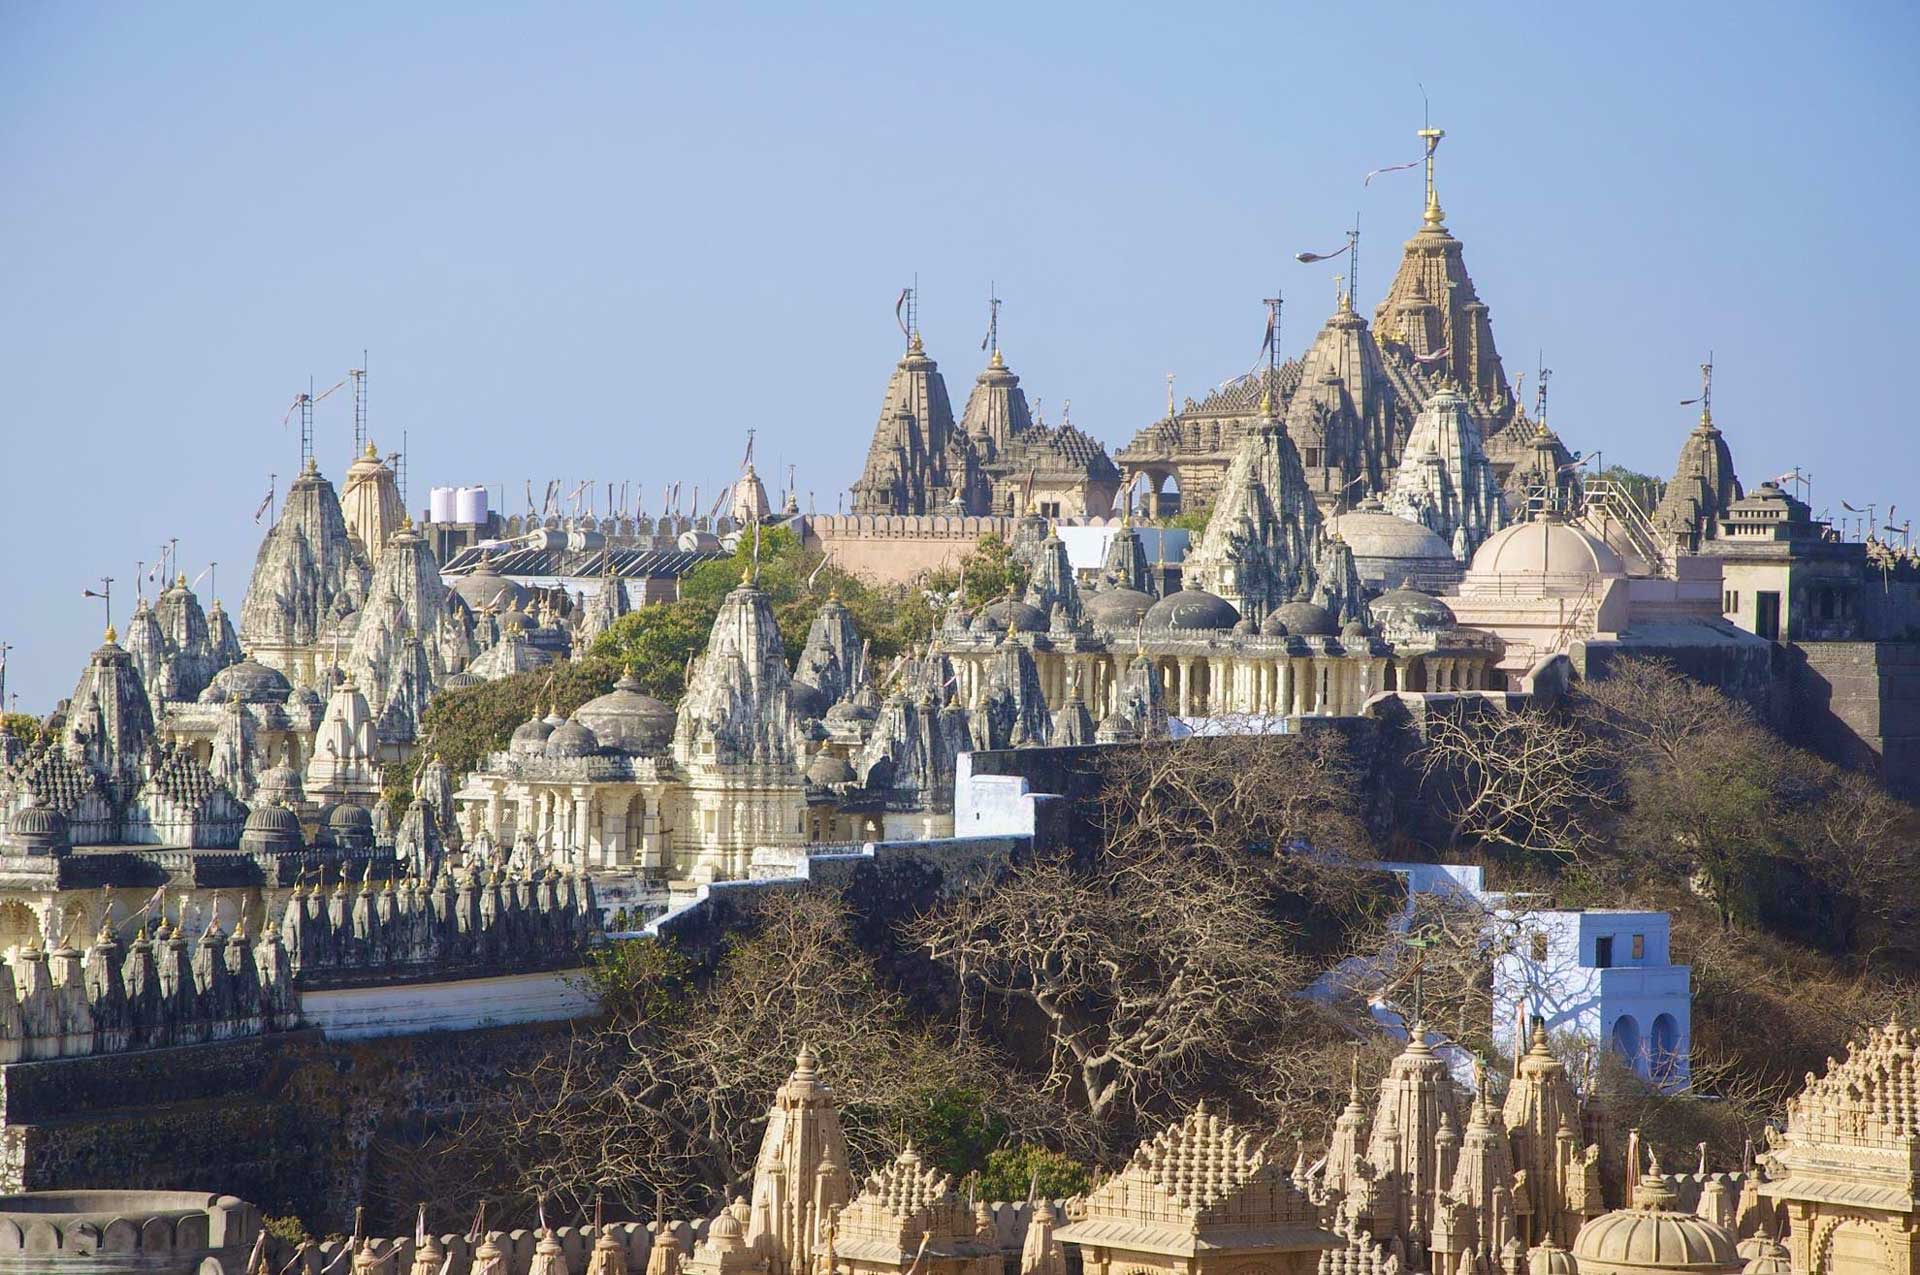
x=1199 y=1185
x=309 y=574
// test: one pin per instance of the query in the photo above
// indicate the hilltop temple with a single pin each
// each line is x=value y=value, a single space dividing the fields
x=997 y=459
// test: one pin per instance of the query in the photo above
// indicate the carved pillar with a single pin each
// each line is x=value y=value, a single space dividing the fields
x=1185 y=667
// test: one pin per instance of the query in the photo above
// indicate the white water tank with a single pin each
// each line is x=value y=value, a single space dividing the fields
x=440 y=504
x=470 y=505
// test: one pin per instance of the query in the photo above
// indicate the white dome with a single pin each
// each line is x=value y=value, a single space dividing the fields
x=1377 y=534
x=1545 y=556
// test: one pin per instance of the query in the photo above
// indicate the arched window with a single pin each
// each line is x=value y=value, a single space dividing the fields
x=1626 y=1042
x=1663 y=1048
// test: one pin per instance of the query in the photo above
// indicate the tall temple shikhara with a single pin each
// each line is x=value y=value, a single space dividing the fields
x=997 y=460
x=1350 y=403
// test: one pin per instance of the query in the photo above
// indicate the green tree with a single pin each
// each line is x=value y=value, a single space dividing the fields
x=1012 y=1172
x=990 y=572
x=24 y=725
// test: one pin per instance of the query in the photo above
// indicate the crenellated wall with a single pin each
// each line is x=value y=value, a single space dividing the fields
x=475 y=926
x=147 y=994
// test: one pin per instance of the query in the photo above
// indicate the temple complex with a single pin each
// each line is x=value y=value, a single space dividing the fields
x=997 y=459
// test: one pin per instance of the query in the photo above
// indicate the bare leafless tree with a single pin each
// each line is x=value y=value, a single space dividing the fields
x=1531 y=780
x=674 y=1104
x=1140 y=981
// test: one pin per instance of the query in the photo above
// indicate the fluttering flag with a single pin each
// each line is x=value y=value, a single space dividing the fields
x=288 y=415
x=1791 y=476
x=265 y=501
x=1579 y=461
x=330 y=389
x=1266 y=343
x=1436 y=356
x=203 y=575
x=899 y=312
x=1397 y=168
x=1308 y=258
x=1850 y=509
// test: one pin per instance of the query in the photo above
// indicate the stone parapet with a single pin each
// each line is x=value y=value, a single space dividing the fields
x=158 y=1232
x=147 y=994
x=469 y=927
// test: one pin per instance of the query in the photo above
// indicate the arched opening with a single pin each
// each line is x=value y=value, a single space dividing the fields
x=1663 y=1046
x=1626 y=1042
x=18 y=926
x=1154 y=493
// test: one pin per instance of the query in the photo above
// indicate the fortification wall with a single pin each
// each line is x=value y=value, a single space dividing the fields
x=1858 y=703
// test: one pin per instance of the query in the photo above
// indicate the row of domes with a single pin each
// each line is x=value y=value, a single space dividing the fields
x=625 y=721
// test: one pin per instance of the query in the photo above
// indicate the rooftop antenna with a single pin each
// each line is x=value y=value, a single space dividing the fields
x=913 y=308
x=1273 y=304
x=4 y=648
x=993 y=322
x=1540 y=390
x=359 y=375
x=1353 y=261
x=306 y=426
x=105 y=594
x=400 y=469
x=1705 y=397
x=1431 y=136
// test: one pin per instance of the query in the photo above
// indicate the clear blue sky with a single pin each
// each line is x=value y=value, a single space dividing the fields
x=586 y=241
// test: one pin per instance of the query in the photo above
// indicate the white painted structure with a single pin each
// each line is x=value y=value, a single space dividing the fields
x=1603 y=974
x=363 y=1013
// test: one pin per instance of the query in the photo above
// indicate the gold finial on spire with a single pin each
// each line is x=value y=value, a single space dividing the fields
x=113 y=635
x=1431 y=136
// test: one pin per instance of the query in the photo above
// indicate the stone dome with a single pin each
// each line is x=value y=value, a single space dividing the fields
x=828 y=769
x=571 y=739
x=1120 y=608
x=271 y=828
x=1274 y=626
x=347 y=817
x=1306 y=619
x=849 y=711
x=1192 y=610
x=1246 y=627
x=628 y=720
x=1408 y=610
x=1546 y=556
x=248 y=682
x=280 y=783
x=1371 y=532
x=38 y=829
x=485 y=587
x=530 y=736
x=1769 y=1257
x=1653 y=1238
x=1026 y=619
x=1550 y=1259
x=461 y=681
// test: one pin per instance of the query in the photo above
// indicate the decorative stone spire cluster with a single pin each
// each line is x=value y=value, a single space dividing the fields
x=833 y=664
x=310 y=572
x=390 y=657
x=1445 y=481
x=800 y=1178
x=1704 y=486
x=738 y=709
x=1345 y=416
x=109 y=725
x=919 y=462
x=1257 y=550
x=370 y=503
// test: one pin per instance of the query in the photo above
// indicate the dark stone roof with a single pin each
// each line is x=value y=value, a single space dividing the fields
x=1306 y=619
x=57 y=780
x=182 y=779
x=627 y=720
x=271 y=829
x=627 y=564
x=248 y=682
x=1118 y=608
x=1192 y=610
x=1026 y=618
